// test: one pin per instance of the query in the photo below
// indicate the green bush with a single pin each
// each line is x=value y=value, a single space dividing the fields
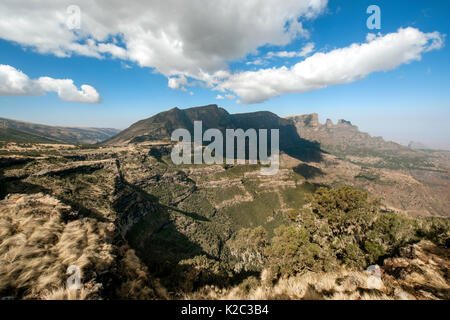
x=374 y=251
x=434 y=229
x=248 y=249
x=347 y=210
x=291 y=251
x=389 y=232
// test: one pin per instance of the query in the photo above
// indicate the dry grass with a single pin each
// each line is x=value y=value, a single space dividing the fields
x=37 y=245
x=67 y=294
x=419 y=272
x=341 y=285
x=136 y=282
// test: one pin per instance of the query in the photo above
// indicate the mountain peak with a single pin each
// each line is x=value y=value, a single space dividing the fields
x=344 y=122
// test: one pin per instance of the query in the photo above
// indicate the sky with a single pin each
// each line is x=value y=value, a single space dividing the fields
x=106 y=64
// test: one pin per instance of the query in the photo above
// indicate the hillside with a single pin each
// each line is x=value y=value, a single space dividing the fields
x=130 y=216
x=127 y=217
x=20 y=131
x=412 y=181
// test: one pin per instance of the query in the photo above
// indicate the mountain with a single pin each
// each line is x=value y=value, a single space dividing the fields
x=413 y=181
x=340 y=137
x=139 y=226
x=160 y=127
x=19 y=136
x=20 y=131
x=417 y=145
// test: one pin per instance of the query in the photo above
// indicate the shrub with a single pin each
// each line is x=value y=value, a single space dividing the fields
x=374 y=251
x=200 y=271
x=248 y=248
x=436 y=230
x=291 y=251
x=347 y=210
x=389 y=232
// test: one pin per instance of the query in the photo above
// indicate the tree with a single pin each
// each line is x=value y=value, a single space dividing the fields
x=291 y=251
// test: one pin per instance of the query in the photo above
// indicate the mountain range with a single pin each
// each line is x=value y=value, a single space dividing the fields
x=20 y=131
x=128 y=215
x=413 y=181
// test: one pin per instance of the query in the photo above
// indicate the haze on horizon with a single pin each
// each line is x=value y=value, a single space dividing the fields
x=289 y=57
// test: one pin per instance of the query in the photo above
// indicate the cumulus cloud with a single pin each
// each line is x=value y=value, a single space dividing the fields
x=14 y=82
x=192 y=41
x=227 y=96
x=305 y=51
x=339 y=66
x=178 y=83
x=175 y=37
x=256 y=62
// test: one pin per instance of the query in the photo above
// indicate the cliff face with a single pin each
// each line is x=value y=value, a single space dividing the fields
x=342 y=136
x=404 y=179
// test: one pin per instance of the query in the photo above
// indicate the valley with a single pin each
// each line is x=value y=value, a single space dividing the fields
x=169 y=220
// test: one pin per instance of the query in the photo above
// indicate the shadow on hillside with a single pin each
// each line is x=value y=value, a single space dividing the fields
x=16 y=185
x=152 y=233
x=308 y=171
x=192 y=215
x=304 y=150
x=290 y=143
x=7 y=184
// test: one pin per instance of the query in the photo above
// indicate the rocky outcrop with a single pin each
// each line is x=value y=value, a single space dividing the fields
x=422 y=270
x=340 y=136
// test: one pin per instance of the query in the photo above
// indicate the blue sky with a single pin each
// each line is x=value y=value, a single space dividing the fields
x=408 y=102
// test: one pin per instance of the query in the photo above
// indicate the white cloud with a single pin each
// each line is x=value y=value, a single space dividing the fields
x=67 y=91
x=14 y=82
x=125 y=65
x=177 y=83
x=176 y=37
x=305 y=51
x=256 y=62
x=196 y=39
x=227 y=96
x=380 y=53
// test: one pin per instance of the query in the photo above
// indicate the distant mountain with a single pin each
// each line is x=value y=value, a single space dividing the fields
x=417 y=145
x=344 y=140
x=20 y=131
x=340 y=137
x=161 y=126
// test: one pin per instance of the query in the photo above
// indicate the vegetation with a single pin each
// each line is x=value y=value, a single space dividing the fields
x=128 y=218
x=339 y=227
